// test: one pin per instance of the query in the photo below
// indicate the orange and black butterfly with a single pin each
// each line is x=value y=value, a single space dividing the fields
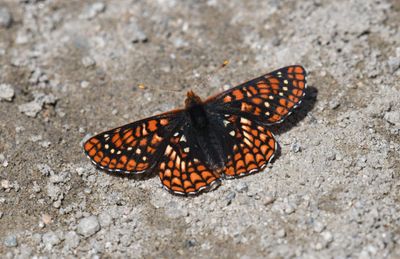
x=191 y=149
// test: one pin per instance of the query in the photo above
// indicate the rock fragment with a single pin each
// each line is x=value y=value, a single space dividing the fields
x=71 y=240
x=32 y=108
x=88 y=226
x=10 y=241
x=134 y=34
x=93 y=10
x=6 y=92
x=5 y=17
x=50 y=239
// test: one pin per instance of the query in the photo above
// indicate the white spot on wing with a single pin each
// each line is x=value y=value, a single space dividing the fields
x=168 y=150
x=245 y=121
x=183 y=138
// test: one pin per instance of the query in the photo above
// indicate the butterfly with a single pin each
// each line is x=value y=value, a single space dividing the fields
x=192 y=149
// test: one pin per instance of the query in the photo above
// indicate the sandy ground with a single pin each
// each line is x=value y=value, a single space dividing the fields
x=69 y=69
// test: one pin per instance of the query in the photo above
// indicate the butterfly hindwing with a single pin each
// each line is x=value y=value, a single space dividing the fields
x=132 y=147
x=182 y=168
x=268 y=99
x=251 y=146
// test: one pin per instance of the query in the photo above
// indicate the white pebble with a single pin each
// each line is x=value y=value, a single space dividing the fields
x=6 y=92
x=88 y=226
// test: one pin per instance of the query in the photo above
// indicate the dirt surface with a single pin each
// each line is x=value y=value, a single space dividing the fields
x=69 y=69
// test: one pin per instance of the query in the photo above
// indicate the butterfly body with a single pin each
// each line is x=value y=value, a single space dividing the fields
x=225 y=136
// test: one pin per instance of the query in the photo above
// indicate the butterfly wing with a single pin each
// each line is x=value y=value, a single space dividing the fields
x=248 y=109
x=268 y=99
x=251 y=146
x=132 y=148
x=182 y=168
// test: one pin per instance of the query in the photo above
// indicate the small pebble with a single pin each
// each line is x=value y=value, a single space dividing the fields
x=393 y=64
x=5 y=18
x=268 y=200
x=392 y=117
x=11 y=241
x=318 y=227
x=242 y=187
x=134 y=34
x=93 y=10
x=289 y=209
x=71 y=240
x=6 y=92
x=105 y=219
x=295 y=147
x=5 y=184
x=32 y=108
x=327 y=236
x=85 y=84
x=46 y=219
x=230 y=197
x=281 y=233
x=334 y=104
x=50 y=239
x=319 y=246
x=88 y=62
x=88 y=226
x=174 y=211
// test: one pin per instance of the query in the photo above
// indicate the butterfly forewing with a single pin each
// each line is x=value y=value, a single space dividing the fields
x=268 y=99
x=132 y=148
